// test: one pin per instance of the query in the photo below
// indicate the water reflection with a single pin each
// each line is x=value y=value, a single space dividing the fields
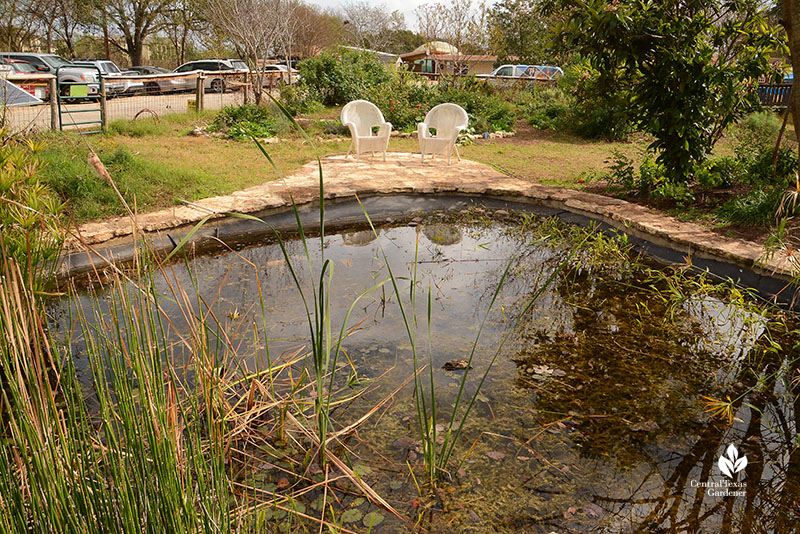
x=595 y=406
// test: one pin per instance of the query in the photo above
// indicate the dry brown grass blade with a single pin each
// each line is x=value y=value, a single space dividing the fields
x=349 y=428
x=370 y=493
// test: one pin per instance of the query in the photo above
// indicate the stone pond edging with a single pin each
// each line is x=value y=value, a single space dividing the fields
x=404 y=173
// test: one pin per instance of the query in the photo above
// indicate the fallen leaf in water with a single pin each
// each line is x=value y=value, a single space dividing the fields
x=283 y=483
x=495 y=455
x=592 y=510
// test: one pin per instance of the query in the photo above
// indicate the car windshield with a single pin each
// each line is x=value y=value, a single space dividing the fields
x=56 y=61
x=23 y=67
x=110 y=67
x=241 y=65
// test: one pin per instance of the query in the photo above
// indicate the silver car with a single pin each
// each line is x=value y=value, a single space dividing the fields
x=67 y=71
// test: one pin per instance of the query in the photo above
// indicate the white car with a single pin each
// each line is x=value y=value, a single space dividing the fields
x=109 y=69
x=214 y=84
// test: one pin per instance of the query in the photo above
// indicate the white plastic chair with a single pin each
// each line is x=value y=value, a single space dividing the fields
x=361 y=117
x=448 y=120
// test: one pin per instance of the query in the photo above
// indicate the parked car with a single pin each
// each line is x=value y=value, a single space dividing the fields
x=508 y=73
x=19 y=67
x=284 y=73
x=161 y=84
x=544 y=72
x=149 y=70
x=108 y=68
x=67 y=71
x=209 y=66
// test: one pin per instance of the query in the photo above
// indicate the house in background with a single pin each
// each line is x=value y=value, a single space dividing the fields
x=439 y=57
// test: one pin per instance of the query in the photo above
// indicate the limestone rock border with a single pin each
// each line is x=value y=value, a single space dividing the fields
x=404 y=173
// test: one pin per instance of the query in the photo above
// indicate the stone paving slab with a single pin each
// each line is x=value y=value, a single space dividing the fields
x=405 y=173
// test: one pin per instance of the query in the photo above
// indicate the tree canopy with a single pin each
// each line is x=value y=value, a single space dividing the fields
x=687 y=65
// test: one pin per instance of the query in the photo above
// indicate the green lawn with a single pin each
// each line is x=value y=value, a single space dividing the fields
x=157 y=164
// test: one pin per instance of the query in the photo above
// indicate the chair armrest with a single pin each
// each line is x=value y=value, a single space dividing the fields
x=385 y=129
x=422 y=130
x=352 y=128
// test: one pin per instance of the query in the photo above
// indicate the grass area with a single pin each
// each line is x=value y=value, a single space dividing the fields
x=157 y=163
x=548 y=157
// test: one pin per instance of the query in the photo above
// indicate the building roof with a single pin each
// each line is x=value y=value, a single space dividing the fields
x=432 y=48
x=411 y=57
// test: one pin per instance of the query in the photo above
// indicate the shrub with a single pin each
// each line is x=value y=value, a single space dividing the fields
x=298 y=99
x=756 y=133
x=240 y=122
x=337 y=77
x=29 y=214
x=487 y=112
x=722 y=171
x=760 y=167
x=404 y=100
x=756 y=208
x=671 y=191
x=549 y=108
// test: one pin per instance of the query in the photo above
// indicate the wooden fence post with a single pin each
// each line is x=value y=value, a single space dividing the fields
x=200 y=93
x=53 y=87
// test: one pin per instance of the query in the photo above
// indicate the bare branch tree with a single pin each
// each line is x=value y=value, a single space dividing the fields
x=370 y=26
x=461 y=24
x=254 y=27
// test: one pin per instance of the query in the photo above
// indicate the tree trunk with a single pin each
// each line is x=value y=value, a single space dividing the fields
x=791 y=22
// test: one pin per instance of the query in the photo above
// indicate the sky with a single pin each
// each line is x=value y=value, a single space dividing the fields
x=406 y=7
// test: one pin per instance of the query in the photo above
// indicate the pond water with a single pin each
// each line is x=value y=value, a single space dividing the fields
x=592 y=419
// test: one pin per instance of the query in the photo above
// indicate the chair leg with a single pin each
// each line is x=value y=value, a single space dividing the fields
x=457 y=154
x=349 y=149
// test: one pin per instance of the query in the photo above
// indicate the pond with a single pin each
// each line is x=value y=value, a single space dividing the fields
x=593 y=418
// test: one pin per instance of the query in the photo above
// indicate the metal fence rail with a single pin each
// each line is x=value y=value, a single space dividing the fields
x=128 y=97
x=774 y=95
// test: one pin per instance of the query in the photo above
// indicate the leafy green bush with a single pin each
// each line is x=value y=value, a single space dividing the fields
x=722 y=171
x=29 y=214
x=299 y=99
x=621 y=174
x=340 y=76
x=549 y=108
x=756 y=133
x=240 y=122
x=671 y=191
x=756 y=208
x=575 y=105
x=406 y=99
x=488 y=112
x=760 y=169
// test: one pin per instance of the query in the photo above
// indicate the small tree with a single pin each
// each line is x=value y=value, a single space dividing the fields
x=518 y=29
x=688 y=66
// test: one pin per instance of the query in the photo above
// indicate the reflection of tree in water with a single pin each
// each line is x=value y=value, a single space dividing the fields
x=442 y=233
x=633 y=385
x=358 y=239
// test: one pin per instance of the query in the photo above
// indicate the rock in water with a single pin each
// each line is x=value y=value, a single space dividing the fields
x=456 y=365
